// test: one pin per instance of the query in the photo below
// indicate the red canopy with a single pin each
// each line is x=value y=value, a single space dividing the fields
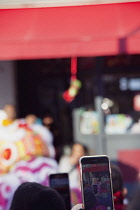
x=105 y=29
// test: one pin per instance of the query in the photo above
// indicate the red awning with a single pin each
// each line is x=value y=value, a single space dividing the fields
x=53 y=32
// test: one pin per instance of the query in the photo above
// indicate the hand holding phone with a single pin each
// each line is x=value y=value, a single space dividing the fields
x=96 y=183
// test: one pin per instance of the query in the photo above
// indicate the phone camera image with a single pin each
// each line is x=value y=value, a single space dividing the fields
x=60 y=182
x=96 y=184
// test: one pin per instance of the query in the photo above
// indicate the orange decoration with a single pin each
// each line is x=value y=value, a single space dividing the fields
x=7 y=153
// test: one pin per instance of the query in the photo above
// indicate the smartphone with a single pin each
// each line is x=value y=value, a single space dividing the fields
x=60 y=182
x=96 y=183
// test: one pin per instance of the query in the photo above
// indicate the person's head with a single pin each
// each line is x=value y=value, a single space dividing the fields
x=10 y=111
x=48 y=120
x=30 y=119
x=34 y=196
x=78 y=150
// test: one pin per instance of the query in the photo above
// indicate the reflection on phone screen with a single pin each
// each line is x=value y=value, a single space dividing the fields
x=97 y=187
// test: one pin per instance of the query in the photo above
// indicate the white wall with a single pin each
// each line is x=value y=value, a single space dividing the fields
x=7 y=83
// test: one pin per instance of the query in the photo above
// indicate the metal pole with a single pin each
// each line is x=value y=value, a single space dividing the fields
x=101 y=145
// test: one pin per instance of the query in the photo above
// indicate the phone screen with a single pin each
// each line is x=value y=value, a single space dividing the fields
x=97 y=190
x=60 y=182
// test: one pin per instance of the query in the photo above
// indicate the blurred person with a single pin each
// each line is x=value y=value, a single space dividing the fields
x=30 y=119
x=119 y=192
x=134 y=204
x=34 y=196
x=48 y=121
x=10 y=111
x=26 y=122
x=70 y=163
